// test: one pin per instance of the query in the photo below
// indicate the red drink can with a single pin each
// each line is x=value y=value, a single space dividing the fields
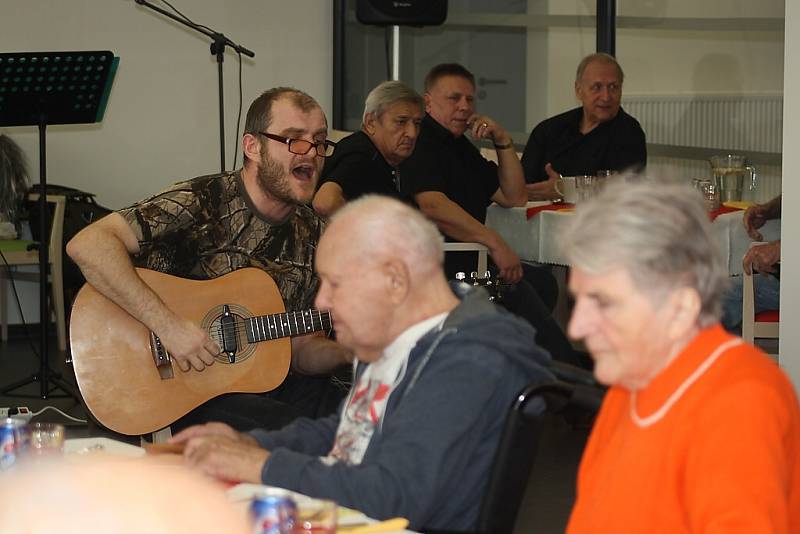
x=273 y=512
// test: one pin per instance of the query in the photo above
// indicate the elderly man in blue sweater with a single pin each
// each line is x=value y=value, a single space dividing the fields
x=437 y=368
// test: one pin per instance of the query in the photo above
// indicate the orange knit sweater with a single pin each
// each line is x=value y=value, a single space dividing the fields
x=724 y=458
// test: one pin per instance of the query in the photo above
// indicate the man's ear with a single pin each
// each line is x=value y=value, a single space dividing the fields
x=251 y=147
x=398 y=282
x=427 y=98
x=369 y=123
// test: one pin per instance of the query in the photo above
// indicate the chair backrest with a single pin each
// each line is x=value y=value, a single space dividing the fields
x=516 y=452
x=57 y=207
x=762 y=325
x=483 y=254
x=338 y=135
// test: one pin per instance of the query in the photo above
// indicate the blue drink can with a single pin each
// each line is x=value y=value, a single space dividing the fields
x=273 y=512
x=23 y=436
x=9 y=444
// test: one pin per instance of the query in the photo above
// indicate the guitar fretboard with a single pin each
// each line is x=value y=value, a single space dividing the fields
x=277 y=325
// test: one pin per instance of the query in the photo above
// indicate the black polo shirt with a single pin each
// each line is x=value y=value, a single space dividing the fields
x=615 y=145
x=359 y=169
x=451 y=165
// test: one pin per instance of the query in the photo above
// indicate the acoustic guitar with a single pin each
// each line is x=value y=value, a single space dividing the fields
x=127 y=378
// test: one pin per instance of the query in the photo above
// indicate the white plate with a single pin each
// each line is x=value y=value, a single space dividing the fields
x=101 y=445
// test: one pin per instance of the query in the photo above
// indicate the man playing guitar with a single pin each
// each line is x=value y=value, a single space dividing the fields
x=212 y=225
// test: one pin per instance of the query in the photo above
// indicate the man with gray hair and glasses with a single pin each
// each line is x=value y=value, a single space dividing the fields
x=368 y=161
x=699 y=431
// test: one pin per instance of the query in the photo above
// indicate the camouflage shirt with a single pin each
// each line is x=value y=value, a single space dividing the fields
x=206 y=227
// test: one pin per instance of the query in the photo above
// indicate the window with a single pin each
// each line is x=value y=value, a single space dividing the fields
x=703 y=78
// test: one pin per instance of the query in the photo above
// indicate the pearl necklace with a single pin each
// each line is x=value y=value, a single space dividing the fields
x=644 y=422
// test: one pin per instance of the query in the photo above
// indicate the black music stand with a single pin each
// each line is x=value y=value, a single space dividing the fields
x=37 y=89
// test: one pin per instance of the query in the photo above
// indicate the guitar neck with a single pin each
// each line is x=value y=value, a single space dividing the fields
x=278 y=325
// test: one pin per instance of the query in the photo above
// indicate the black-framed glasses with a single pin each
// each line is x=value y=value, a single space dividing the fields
x=301 y=146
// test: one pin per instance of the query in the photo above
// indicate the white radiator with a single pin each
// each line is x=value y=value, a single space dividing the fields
x=727 y=122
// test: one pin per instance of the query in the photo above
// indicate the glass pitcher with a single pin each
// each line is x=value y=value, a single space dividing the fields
x=729 y=172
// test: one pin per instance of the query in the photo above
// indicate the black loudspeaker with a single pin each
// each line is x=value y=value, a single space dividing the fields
x=401 y=12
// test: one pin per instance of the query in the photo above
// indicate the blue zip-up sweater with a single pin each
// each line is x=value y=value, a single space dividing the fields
x=429 y=459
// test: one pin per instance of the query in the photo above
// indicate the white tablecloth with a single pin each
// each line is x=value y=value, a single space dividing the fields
x=536 y=239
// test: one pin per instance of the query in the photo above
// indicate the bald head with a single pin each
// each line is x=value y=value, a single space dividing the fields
x=380 y=269
x=115 y=495
x=377 y=228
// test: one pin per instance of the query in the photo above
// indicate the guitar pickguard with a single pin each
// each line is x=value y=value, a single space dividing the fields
x=212 y=324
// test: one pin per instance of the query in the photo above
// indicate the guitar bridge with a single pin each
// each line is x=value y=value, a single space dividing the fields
x=161 y=357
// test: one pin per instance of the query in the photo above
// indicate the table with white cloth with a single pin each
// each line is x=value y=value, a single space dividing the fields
x=83 y=449
x=536 y=239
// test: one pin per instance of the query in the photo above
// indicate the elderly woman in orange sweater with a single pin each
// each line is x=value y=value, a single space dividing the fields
x=699 y=431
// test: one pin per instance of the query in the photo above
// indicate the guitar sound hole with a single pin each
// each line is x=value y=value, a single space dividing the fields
x=213 y=325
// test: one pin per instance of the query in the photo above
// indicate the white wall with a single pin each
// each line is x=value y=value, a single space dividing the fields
x=790 y=242
x=658 y=61
x=162 y=120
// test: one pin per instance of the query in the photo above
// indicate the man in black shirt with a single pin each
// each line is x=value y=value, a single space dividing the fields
x=449 y=179
x=368 y=161
x=597 y=136
x=453 y=185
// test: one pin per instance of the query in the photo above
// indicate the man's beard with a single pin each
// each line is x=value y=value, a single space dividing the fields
x=274 y=182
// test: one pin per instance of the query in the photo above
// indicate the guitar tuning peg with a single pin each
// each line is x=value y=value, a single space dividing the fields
x=460 y=276
x=488 y=276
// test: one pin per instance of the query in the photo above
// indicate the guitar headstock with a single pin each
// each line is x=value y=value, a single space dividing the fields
x=491 y=283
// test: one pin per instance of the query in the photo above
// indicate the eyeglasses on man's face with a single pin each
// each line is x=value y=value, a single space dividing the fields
x=302 y=147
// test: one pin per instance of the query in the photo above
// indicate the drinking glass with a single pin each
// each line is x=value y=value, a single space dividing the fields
x=47 y=439
x=586 y=186
x=315 y=516
x=711 y=195
x=602 y=179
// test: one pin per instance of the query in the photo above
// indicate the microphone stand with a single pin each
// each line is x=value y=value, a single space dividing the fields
x=217 y=49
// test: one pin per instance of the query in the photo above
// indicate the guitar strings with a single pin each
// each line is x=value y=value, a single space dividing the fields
x=239 y=326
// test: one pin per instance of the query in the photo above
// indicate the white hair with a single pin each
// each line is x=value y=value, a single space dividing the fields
x=659 y=231
x=386 y=94
x=388 y=228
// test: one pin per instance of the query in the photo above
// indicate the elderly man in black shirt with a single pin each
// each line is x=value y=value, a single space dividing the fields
x=368 y=161
x=597 y=136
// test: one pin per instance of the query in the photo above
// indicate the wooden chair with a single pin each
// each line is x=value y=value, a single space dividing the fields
x=765 y=324
x=16 y=253
x=482 y=250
